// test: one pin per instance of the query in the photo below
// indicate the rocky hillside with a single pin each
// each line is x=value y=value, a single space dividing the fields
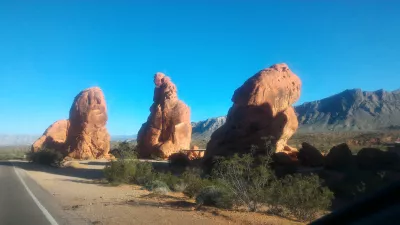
x=204 y=129
x=350 y=110
x=21 y=139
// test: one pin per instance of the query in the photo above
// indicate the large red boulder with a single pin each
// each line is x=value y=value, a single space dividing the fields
x=88 y=137
x=168 y=129
x=262 y=108
x=53 y=138
x=84 y=135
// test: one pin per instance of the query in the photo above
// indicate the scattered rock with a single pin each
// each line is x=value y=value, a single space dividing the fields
x=262 y=107
x=75 y=207
x=339 y=157
x=168 y=129
x=310 y=156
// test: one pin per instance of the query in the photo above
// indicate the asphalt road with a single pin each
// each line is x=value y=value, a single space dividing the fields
x=23 y=201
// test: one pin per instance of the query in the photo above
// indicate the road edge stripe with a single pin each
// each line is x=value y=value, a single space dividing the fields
x=46 y=213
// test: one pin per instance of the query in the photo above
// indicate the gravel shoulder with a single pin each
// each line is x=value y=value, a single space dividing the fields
x=82 y=192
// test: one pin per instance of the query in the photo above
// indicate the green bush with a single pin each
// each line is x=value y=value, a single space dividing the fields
x=158 y=187
x=125 y=150
x=47 y=157
x=144 y=173
x=180 y=186
x=301 y=196
x=195 y=183
x=11 y=153
x=215 y=196
x=129 y=170
x=246 y=177
x=174 y=182
x=120 y=171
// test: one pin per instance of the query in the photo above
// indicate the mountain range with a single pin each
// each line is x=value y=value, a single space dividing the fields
x=350 y=110
x=21 y=139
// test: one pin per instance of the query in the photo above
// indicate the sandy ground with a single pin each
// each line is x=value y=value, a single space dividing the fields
x=81 y=190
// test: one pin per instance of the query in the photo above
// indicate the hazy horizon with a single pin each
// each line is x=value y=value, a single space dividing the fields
x=50 y=51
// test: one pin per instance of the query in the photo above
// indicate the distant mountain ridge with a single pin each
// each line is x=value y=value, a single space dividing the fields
x=350 y=110
x=22 y=139
x=204 y=129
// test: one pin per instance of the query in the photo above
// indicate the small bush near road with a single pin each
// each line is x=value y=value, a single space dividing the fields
x=174 y=182
x=120 y=171
x=195 y=183
x=244 y=179
x=252 y=183
x=300 y=196
x=215 y=196
x=158 y=187
x=128 y=171
x=47 y=157
x=144 y=173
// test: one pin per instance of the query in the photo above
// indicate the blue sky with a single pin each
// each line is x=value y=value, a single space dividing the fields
x=51 y=50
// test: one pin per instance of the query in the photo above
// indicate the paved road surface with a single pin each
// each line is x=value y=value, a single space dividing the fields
x=23 y=201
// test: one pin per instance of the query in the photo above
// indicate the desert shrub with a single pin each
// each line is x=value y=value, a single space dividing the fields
x=11 y=153
x=245 y=178
x=120 y=171
x=129 y=170
x=299 y=195
x=124 y=150
x=180 y=186
x=215 y=196
x=173 y=182
x=358 y=183
x=144 y=173
x=180 y=160
x=158 y=187
x=195 y=183
x=47 y=157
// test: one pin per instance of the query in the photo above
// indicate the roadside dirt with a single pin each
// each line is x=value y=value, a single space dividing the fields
x=81 y=190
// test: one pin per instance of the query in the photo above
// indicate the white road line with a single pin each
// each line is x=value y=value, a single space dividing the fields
x=41 y=207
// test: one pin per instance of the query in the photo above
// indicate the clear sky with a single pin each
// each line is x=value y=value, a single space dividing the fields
x=51 y=50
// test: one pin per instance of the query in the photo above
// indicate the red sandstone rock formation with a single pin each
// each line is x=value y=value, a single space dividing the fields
x=168 y=127
x=84 y=135
x=88 y=137
x=54 y=137
x=262 y=107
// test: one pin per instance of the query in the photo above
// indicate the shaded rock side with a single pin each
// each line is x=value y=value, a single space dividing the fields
x=262 y=107
x=339 y=158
